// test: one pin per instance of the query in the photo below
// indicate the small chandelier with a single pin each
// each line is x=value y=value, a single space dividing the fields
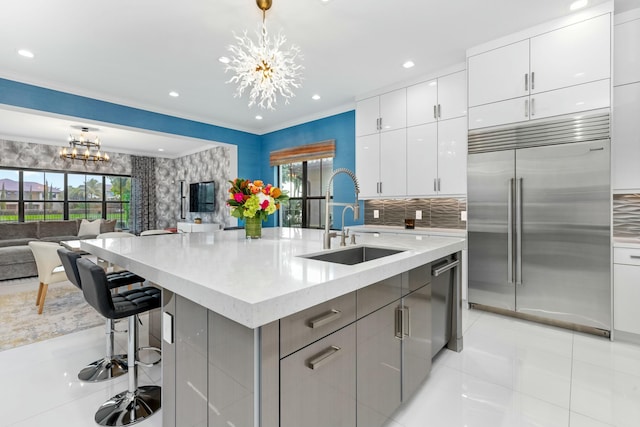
x=83 y=147
x=263 y=67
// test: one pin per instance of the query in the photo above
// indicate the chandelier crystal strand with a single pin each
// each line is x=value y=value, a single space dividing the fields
x=264 y=68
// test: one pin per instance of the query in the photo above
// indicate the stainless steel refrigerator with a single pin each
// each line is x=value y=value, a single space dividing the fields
x=539 y=221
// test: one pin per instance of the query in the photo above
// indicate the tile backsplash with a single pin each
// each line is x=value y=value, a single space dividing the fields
x=626 y=215
x=436 y=213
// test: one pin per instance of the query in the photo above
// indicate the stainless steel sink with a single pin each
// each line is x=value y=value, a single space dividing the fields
x=355 y=255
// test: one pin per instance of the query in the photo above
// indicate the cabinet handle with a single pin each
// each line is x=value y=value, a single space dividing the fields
x=380 y=188
x=526 y=82
x=324 y=319
x=526 y=108
x=402 y=323
x=435 y=185
x=435 y=113
x=438 y=184
x=533 y=80
x=438 y=271
x=634 y=256
x=533 y=107
x=380 y=126
x=439 y=111
x=323 y=357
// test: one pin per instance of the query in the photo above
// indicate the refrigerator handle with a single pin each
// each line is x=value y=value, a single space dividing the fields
x=510 y=232
x=519 y=232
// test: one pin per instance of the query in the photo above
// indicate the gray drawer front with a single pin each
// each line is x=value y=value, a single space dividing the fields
x=307 y=326
x=378 y=295
x=418 y=277
x=318 y=383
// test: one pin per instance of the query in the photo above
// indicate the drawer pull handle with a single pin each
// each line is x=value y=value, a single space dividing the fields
x=634 y=256
x=325 y=318
x=438 y=271
x=323 y=358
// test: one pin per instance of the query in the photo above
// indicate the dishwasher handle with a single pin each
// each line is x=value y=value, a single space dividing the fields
x=441 y=269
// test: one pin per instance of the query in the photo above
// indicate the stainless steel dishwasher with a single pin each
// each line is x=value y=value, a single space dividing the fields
x=442 y=283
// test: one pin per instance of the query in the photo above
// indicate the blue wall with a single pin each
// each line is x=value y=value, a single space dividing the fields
x=340 y=127
x=253 y=150
x=52 y=101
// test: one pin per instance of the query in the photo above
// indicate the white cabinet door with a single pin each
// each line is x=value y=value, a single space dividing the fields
x=393 y=110
x=626 y=137
x=393 y=163
x=422 y=100
x=499 y=113
x=452 y=95
x=572 y=99
x=452 y=156
x=626 y=56
x=498 y=74
x=367 y=115
x=626 y=294
x=368 y=164
x=422 y=160
x=572 y=55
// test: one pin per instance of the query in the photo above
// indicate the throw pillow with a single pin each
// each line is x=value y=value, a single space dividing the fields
x=89 y=228
x=108 y=226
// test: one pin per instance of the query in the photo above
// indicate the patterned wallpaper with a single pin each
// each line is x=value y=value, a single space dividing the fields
x=39 y=156
x=210 y=165
x=436 y=213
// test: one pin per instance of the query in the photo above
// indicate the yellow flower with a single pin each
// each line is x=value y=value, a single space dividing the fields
x=258 y=183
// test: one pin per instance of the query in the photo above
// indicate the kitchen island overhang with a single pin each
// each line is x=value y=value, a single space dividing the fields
x=256 y=327
x=254 y=282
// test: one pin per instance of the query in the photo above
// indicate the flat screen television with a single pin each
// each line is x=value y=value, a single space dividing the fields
x=202 y=196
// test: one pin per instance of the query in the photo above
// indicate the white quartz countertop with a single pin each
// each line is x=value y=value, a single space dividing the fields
x=447 y=232
x=255 y=282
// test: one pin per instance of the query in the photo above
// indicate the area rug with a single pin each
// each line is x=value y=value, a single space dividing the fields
x=65 y=311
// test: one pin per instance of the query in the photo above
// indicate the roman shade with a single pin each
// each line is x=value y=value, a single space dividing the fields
x=303 y=153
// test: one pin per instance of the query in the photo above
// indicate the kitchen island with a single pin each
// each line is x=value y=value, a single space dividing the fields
x=255 y=333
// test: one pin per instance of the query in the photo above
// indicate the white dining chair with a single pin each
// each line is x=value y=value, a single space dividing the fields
x=49 y=267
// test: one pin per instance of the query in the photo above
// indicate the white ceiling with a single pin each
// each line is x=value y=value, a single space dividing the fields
x=135 y=52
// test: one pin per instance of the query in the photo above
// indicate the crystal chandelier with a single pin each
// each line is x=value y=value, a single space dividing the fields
x=83 y=147
x=263 y=67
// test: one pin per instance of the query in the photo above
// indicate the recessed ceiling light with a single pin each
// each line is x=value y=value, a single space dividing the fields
x=408 y=64
x=578 y=4
x=174 y=94
x=26 y=53
x=315 y=97
x=224 y=60
x=258 y=117
x=160 y=149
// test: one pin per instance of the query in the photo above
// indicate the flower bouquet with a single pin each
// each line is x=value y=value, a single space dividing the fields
x=253 y=202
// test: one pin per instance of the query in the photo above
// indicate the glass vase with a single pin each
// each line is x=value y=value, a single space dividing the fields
x=253 y=228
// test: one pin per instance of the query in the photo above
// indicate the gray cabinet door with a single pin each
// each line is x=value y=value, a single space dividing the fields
x=317 y=385
x=416 y=343
x=379 y=366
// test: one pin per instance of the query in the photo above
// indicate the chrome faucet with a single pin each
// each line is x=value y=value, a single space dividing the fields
x=328 y=234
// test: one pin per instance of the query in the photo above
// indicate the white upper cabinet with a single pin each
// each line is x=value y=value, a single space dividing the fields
x=572 y=55
x=452 y=96
x=368 y=164
x=382 y=113
x=439 y=99
x=560 y=71
x=499 y=74
x=625 y=148
x=437 y=158
x=626 y=53
x=422 y=103
x=367 y=116
x=381 y=164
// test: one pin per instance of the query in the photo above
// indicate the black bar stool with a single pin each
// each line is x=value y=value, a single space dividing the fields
x=136 y=403
x=111 y=365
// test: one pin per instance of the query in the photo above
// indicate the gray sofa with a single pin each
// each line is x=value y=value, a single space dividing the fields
x=16 y=259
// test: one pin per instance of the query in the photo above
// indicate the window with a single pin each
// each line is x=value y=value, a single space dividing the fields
x=306 y=183
x=28 y=195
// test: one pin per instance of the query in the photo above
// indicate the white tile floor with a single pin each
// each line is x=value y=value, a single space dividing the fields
x=511 y=373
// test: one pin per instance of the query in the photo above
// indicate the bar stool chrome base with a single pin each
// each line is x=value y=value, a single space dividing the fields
x=128 y=408
x=104 y=369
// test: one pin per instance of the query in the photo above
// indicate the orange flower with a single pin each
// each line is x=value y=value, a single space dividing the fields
x=258 y=183
x=275 y=192
x=255 y=190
